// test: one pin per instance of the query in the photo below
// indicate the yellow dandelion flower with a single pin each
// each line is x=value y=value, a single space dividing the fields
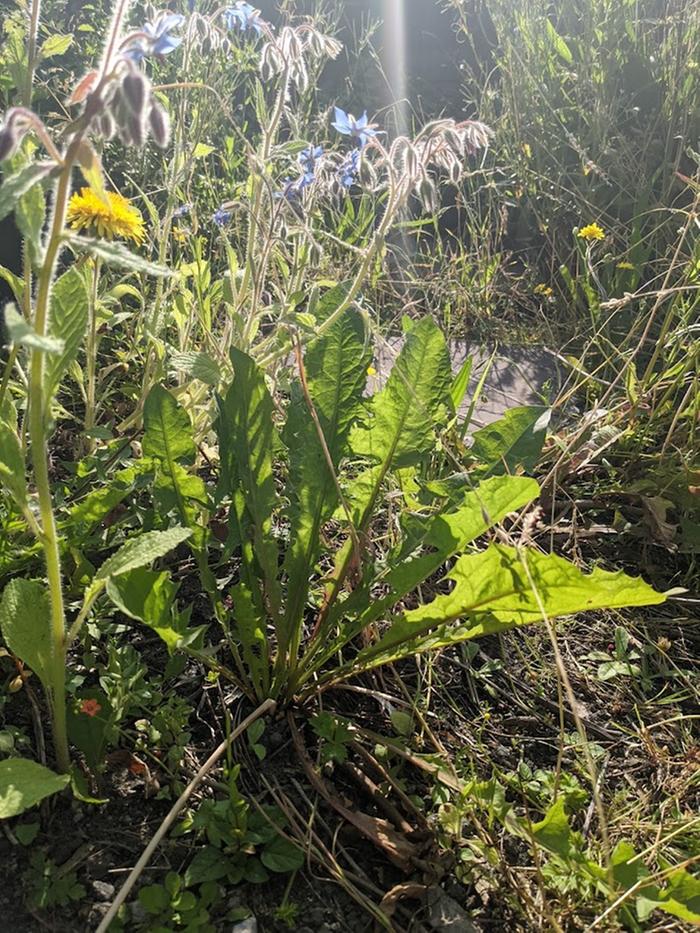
x=592 y=232
x=371 y=371
x=113 y=219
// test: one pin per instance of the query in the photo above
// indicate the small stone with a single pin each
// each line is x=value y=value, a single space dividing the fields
x=445 y=914
x=250 y=925
x=103 y=890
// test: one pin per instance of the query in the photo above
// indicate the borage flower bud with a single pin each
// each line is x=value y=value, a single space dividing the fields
x=135 y=88
x=137 y=130
x=106 y=126
x=332 y=47
x=201 y=26
x=427 y=193
x=9 y=141
x=368 y=176
x=159 y=122
x=315 y=253
x=411 y=161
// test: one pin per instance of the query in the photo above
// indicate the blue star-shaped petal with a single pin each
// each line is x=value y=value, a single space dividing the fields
x=361 y=129
x=243 y=16
x=156 y=39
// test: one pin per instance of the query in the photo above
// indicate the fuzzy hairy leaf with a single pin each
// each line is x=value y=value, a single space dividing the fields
x=336 y=372
x=17 y=185
x=245 y=428
x=69 y=315
x=24 y=783
x=492 y=593
x=12 y=467
x=26 y=626
x=23 y=334
x=116 y=254
x=141 y=551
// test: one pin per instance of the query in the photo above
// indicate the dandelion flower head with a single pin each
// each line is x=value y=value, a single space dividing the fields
x=592 y=232
x=113 y=218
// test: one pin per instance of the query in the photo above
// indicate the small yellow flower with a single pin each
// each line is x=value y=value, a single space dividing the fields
x=180 y=234
x=625 y=265
x=543 y=289
x=113 y=219
x=592 y=232
x=371 y=371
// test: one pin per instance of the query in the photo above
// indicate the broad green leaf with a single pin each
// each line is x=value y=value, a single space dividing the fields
x=89 y=719
x=116 y=254
x=447 y=534
x=167 y=428
x=55 y=45
x=555 y=835
x=245 y=428
x=492 y=593
x=22 y=333
x=680 y=897
x=198 y=365
x=168 y=440
x=24 y=783
x=98 y=503
x=12 y=467
x=403 y=415
x=202 y=150
x=562 y=49
x=149 y=597
x=25 y=622
x=336 y=373
x=138 y=552
x=514 y=441
x=282 y=856
x=207 y=865
x=18 y=184
x=440 y=537
x=248 y=629
x=460 y=384
x=69 y=315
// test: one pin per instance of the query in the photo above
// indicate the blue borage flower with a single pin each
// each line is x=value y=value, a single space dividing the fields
x=244 y=16
x=182 y=210
x=293 y=188
x=221 y=217
x=308 y=158
x=349 y=169
x=156 y=38
x=360 y=129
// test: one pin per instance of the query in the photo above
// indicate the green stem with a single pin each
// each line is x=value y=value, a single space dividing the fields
x=91 y=357
x=258 y=187
x=39 y=446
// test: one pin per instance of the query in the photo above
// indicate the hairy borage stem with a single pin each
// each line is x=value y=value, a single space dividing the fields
x=38 y=413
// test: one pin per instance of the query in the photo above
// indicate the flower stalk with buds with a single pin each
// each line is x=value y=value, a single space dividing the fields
x=114 y=98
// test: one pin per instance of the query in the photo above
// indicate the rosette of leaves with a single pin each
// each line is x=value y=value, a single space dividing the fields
x=308 y=490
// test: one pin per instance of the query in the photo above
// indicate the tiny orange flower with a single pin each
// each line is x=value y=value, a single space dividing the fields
x=90 y=707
